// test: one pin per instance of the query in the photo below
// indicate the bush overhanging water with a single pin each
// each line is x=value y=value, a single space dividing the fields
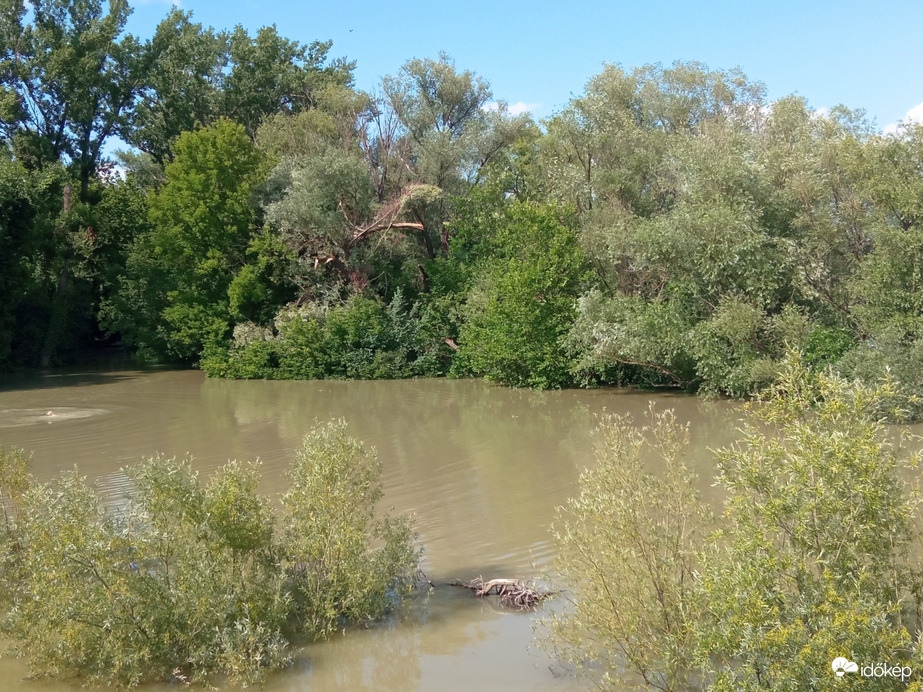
x=192 y=579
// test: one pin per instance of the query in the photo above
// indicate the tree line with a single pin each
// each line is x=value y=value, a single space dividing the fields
x=669 y=226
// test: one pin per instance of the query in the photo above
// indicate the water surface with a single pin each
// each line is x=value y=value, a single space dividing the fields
x=479 y=467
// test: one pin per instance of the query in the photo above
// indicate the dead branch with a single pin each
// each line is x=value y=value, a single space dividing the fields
x=512 y=593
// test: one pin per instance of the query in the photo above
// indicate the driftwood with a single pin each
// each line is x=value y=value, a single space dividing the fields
x=512 y=593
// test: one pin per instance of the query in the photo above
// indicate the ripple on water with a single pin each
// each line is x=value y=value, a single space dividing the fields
x=18 y=417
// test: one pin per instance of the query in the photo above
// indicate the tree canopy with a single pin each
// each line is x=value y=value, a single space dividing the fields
x=668 y=226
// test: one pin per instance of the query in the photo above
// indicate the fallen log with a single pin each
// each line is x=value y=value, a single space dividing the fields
x=512 y=593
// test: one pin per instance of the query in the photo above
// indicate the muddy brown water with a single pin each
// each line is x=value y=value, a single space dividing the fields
x=479 y=467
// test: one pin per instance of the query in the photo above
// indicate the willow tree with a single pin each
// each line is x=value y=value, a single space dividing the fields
x=447 y=134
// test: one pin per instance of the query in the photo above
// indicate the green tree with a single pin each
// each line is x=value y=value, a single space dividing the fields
x=523 y=299
x=442 y=124
x=721 y=230
x=202 y=75
x=71 y=79
x=331 y=530
x=17 y=243
x=202 y=223
x=48 y=238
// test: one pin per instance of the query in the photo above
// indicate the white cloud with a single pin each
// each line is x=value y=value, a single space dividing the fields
x=914 y=115
x=514 y=109
x=521 y=107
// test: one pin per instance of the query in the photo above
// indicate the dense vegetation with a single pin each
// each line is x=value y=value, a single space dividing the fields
x=816 y=555
x=189 y=580
x=669 y=226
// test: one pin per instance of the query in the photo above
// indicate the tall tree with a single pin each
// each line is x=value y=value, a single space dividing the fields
x=70 y=78
x=442 y=134
x=174 y=297
x=203 y=75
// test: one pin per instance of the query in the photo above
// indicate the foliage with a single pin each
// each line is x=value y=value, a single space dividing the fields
x=524 y=300
x=18 y=241
x=890 y=357
x=628 y=550
x=625 y=334
x=716 y=229
x=826 y=345
x=812 y=560
x=51 y=265
x=192 y=579
x=330 y=528
x=711 y=218
x=815 y=554
x=889 y=283
x=73 y=77
x=202 y=75
x=359 y=339
x=14 y=482
x=202 y=226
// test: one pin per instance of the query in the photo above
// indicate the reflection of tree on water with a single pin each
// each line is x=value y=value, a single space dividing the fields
x=454 y=452
x=383 y=658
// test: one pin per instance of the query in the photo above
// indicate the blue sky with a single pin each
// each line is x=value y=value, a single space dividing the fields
x=862 y=54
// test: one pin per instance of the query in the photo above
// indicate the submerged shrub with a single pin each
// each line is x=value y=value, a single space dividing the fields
x=14 y=482
x=815 y=558
x=191 y=579
x=628 y=550
x=330 y=524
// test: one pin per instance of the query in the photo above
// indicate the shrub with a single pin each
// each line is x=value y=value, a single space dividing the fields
x=193 y=579
x=329 y=528
x=812 y=560
x=889 y=355
x=628 y=550
x=14 y=482
x=359 y=339
x=301 y=344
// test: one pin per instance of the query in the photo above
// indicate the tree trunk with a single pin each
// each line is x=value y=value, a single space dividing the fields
x=58 y=319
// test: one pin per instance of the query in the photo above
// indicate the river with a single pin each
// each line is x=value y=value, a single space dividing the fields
x=479 y=467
